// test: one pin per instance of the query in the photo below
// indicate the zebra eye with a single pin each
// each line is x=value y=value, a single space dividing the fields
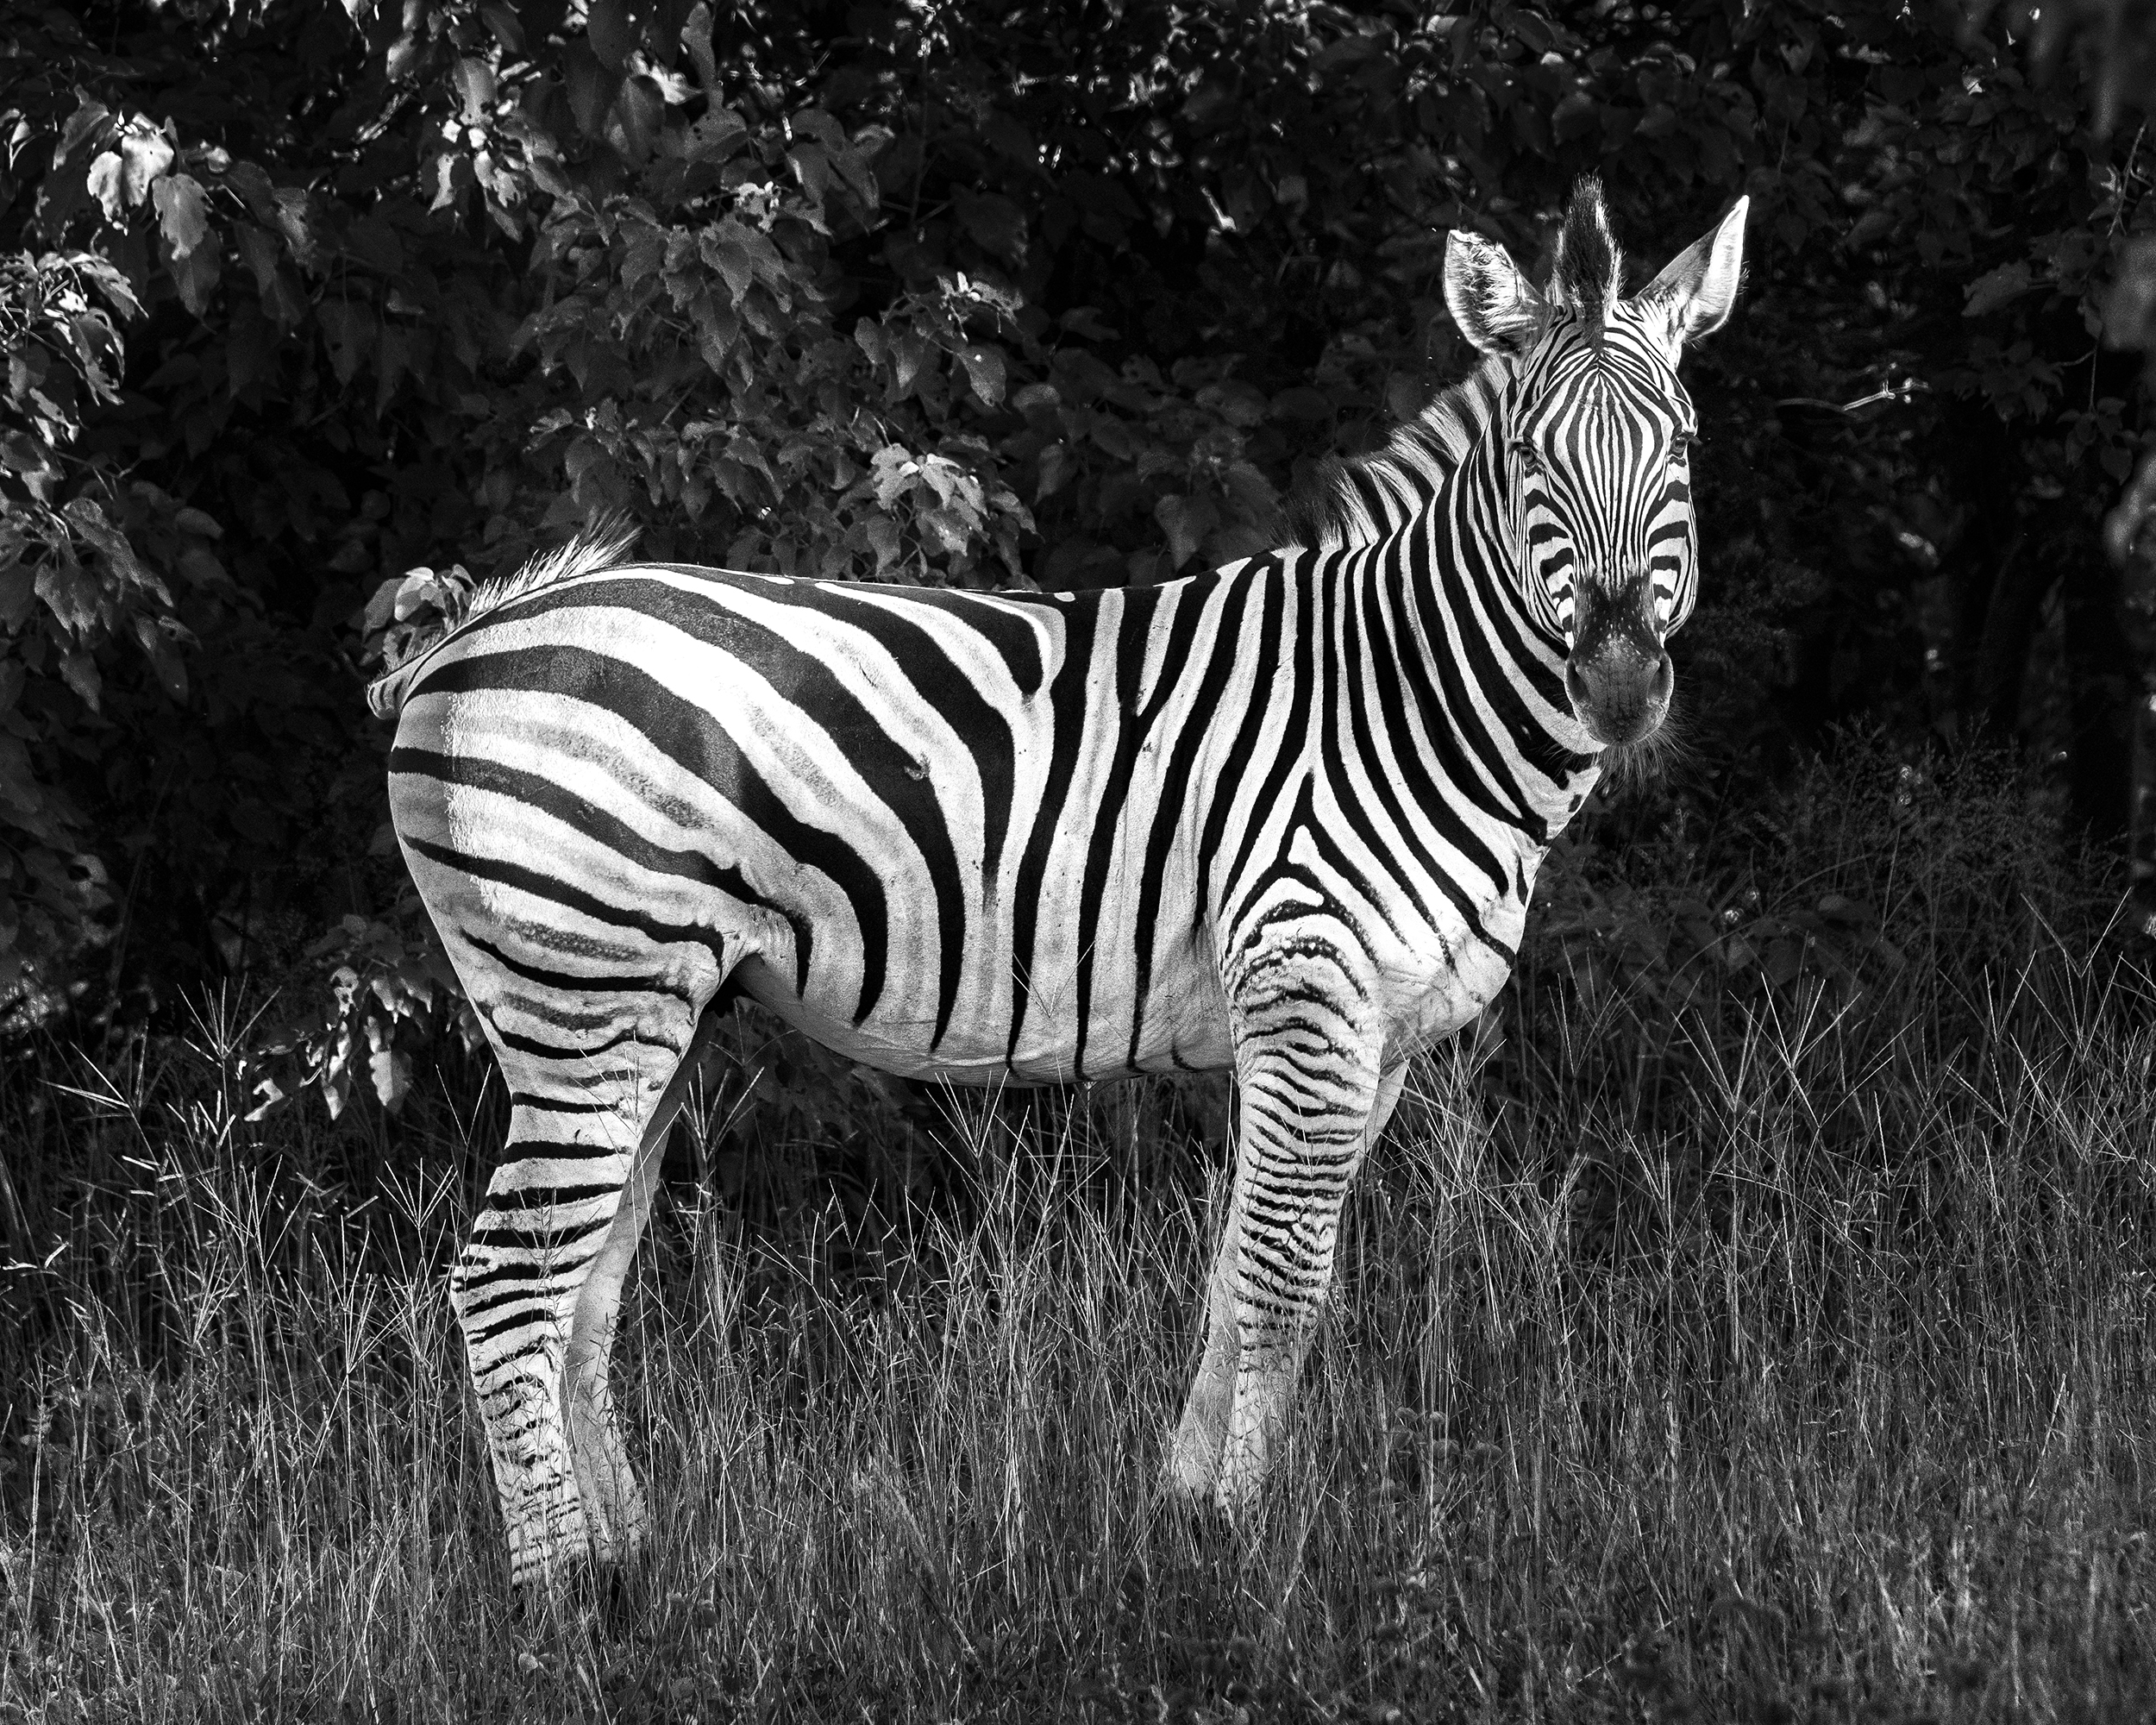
x=1530 y=457
x=1681 y=445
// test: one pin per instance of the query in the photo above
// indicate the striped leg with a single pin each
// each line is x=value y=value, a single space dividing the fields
x=1193 y=1458
x=614 y=1513
x=1294 y=1163
x=537 y=1287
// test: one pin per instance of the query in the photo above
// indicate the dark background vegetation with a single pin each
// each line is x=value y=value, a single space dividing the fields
x=297 y=302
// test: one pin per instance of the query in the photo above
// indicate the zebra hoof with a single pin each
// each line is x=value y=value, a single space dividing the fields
x=584 y=1590
x=1192 y=1467
x=1238 y=1490
x=1187 y=1524
x=615 y=1606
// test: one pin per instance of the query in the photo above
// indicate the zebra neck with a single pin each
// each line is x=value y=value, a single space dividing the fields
x=1486 y=677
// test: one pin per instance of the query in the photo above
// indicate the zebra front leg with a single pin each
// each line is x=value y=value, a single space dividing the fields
x=1246 y=1380
x=1193 y=1458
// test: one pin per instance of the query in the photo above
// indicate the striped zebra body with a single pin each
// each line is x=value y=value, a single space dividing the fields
x=1282 y=818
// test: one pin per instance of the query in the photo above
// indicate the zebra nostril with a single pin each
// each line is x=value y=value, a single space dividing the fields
x=1665 y=681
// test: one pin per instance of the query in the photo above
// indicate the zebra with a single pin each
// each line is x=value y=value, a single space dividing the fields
x=1281 y=817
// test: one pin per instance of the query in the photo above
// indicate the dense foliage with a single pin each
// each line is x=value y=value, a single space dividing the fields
x=307 y=314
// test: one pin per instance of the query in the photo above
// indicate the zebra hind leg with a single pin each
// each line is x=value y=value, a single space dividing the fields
x=583 y=1134
x=616 y=1515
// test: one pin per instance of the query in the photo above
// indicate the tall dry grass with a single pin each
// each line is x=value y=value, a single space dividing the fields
x=1822 y=1392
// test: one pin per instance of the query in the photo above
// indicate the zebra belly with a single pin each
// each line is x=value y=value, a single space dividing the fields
x=1185 y=1028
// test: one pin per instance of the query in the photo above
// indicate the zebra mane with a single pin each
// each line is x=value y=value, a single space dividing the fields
x=1588 y=274
x=1410 y=471
x=1364 y=498
x=598 y=546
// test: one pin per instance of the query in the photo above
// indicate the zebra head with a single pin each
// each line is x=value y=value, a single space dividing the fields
x=1594 y=437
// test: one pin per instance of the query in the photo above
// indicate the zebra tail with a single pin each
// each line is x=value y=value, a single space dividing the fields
x=386 y=695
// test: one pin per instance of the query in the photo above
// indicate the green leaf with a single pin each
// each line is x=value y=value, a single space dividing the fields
x=18 y=594
x=295 y=221
x=453 y=174
x=20 y=795
x=248 y=179
x=1185 y=520
x=811 y=166
x=592 y=88
x=909 y=354
x=1086 y=321
x=70 y=593
x=475 y=87
x=35 y=460
x=85 y=122
x=383 y=607
x=612 y=36
x=995 y=224
x=391 y=1075
x=644 y=250
x=157 y=647
x=951 y=526
x=196 y=275
x=347 y=329
x=719 y=134
x=895 y=472
x=106 y=183
x=257 y=250
x=985 y=371
x=1576 y=116
x=732 y=256
x=1302 y=402
x=1997 y=288
x=144 y=154
x=1055 y=468
x=79 y=670
x=182 y=212
x=502 y=20
x=1239 y=404
x=643 y=112
x=884 y=540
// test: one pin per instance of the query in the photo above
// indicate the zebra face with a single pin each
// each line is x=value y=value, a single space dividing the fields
x=1600 y=454
x=1591 y=449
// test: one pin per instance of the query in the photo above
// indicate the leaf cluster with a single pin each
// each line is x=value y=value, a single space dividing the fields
x=300 y=300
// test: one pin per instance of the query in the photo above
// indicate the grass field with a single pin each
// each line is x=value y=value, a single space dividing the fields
x=1826 y=1396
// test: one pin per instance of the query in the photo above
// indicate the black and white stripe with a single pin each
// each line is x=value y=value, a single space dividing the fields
x=1283 y=816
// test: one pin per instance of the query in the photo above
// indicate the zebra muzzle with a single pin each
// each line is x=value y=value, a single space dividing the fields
x=1617 y=675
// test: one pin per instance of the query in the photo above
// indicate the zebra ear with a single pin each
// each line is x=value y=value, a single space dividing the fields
x=1496 y=307
x=1699 y=283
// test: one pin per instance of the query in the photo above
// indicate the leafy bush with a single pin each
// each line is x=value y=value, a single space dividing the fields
x=308 y=300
